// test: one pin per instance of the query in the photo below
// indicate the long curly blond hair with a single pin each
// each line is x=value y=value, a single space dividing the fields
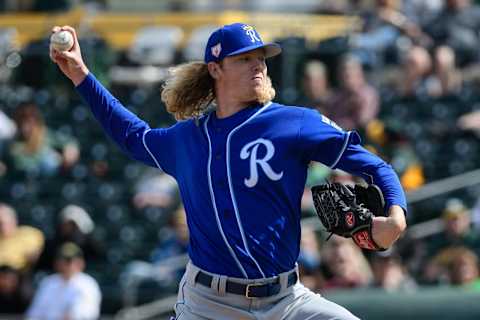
x=189 y=90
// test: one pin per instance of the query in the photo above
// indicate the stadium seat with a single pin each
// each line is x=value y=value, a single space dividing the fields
x=43 y=217
x=73 y=191
x=113 y=217
x=99 y=151
x=80 y=172
x=109 y=191
x=80 y=114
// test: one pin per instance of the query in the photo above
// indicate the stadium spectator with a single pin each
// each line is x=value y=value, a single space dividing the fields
x=315 y=85
x=355 y=102
x=446 y=79
x=309 y=259
x=457 y=26
x=173 y=244
x=456 y=266
x=37 y=150
x=345 y=263
x=458 y=230
x=375 y=38
x=69 y=293
x=15 y=294
x=155 y=189
x=464 y=269
x=76 y=226
x=470 y=122
x=390 y=274
x=174 y=238
x=421 y=11
x=20 y=246
x=343 y=7
x=415 y=67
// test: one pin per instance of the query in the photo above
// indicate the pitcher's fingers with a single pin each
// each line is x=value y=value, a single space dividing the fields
x=66 y=55
x=56 y=29
x=57 y=56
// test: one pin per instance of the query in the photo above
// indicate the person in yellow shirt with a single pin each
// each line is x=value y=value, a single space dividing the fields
x=20 y=246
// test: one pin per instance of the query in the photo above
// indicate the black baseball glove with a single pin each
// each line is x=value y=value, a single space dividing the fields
x=348 y=211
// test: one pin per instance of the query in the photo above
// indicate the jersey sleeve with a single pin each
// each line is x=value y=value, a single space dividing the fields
x=323 y=140
x=361 y=162
x=133 y=135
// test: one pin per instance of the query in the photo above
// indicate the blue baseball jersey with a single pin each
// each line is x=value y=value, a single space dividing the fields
x=241 y=178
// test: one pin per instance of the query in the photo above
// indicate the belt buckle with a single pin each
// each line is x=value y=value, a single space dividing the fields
x=247 y=291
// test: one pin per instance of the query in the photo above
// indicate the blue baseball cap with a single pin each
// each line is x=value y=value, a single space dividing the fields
x=234 y=39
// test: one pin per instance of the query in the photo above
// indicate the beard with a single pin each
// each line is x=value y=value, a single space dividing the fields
x=265 y=93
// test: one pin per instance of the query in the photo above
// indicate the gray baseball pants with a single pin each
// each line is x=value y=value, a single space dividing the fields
x=198 y=302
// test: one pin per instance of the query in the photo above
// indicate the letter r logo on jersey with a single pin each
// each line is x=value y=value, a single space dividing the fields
x=250 y=150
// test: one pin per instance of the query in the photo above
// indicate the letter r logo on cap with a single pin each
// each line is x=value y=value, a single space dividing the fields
x=251 y=33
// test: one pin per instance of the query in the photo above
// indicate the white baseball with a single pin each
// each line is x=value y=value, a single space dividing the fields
x=61 y=40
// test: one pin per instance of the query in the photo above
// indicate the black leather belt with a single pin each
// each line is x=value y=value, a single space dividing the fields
x=252 y=290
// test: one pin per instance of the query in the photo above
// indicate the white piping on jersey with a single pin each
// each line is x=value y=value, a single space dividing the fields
x=370 y=176
x=344 y=147
x=232 y=194
x=148 y=150
x=212 y=196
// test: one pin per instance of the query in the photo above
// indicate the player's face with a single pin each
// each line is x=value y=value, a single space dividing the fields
x=67 y=268
x=245 y=75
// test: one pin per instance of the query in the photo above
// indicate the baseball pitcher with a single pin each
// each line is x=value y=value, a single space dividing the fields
x=241 y=161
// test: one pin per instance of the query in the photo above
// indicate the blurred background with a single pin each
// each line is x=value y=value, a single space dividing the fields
x=404 y=74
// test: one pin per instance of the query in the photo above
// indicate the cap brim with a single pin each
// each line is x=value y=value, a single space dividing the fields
x=271 y=49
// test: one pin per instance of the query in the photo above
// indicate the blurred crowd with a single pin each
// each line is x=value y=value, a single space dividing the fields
x=78 y=219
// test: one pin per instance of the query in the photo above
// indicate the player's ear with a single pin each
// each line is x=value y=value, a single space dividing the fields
x=214 y=69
